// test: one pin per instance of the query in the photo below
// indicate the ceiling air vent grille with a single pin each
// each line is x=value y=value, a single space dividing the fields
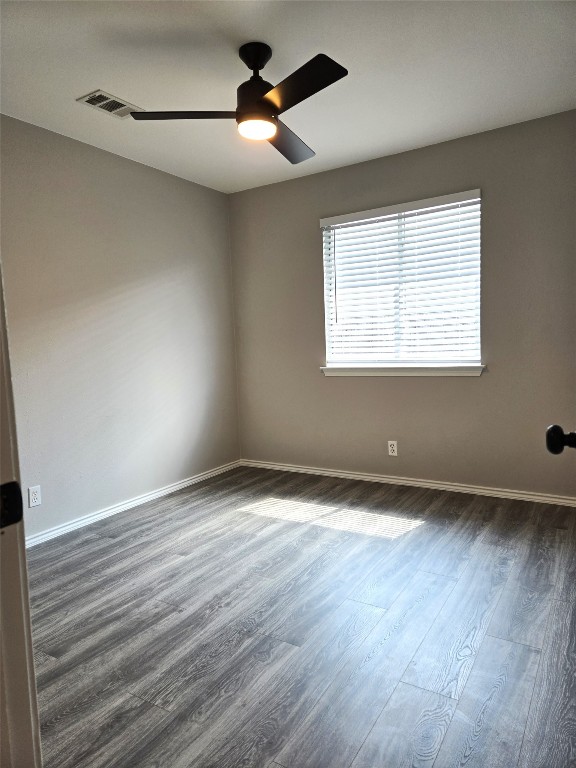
x=106 y=103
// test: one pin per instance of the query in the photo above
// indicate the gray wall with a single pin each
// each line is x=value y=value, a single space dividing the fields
x=118 y=299
x=483 y=431
x=121 y=334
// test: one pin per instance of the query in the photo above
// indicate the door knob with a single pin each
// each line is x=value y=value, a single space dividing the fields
x=11 y=504
x=557 y=439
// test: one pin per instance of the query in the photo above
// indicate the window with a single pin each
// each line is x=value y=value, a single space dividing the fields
x=402 y=289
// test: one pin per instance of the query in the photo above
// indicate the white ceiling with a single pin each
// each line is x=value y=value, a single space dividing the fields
x=420 y=73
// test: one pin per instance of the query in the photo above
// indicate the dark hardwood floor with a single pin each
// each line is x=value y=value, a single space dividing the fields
x=294 y=621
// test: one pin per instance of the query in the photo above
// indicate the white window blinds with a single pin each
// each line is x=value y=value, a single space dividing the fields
x=402 y=284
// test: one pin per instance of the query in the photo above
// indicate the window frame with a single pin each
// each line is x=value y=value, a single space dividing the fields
x=432 y=368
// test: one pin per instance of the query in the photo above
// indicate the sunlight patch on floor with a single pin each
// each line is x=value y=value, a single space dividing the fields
x=370 y=523
x=353 y=520
x=297 y=511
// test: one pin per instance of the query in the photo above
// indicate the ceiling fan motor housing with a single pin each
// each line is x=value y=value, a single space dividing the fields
x=250 y=101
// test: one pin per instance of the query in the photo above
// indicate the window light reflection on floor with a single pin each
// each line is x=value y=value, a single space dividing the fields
x=298 y=511
x=353 y=520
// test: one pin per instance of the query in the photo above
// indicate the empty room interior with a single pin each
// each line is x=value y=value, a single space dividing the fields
x=288 y=384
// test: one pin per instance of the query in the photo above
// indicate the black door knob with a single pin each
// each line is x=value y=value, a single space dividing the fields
x=11 y=504
x=557 y=439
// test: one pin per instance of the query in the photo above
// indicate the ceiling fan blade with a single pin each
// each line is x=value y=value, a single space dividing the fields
x=181 y=115
x=316 y=74
x=289 y=145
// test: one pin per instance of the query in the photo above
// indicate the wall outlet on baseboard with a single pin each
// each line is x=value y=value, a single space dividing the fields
x=392 y=448
x=34 y=496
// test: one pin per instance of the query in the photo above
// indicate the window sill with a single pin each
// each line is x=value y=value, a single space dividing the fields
x=403 y=370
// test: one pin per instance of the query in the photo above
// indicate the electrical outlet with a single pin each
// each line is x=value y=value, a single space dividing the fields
x=392 y=448
x=34 y=496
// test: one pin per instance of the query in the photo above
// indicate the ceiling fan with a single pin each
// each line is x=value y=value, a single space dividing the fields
x=259 y=103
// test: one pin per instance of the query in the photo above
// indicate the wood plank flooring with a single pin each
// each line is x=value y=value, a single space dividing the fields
x=266 y=619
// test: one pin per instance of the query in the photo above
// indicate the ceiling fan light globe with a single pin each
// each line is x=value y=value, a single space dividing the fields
x=257 y=129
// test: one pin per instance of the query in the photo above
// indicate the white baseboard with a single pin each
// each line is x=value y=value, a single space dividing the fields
x=480 y=490
x=80 y=522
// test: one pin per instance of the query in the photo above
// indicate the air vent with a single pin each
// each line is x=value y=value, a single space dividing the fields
x=106 y=103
